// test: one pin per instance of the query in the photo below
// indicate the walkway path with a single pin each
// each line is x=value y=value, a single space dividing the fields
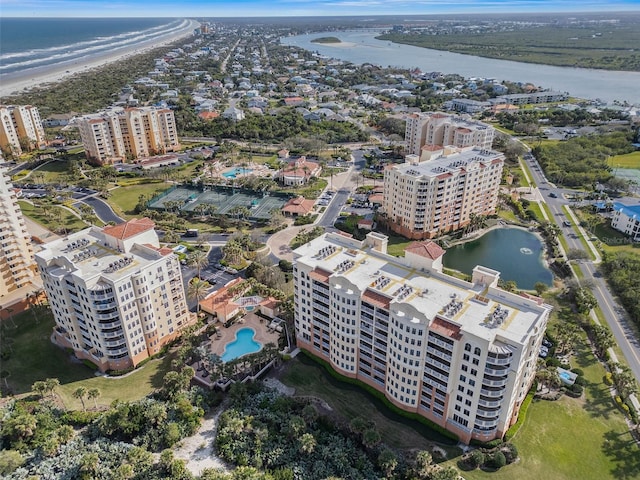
x=197 y=450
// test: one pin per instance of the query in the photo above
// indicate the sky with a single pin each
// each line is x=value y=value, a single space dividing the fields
x=281 y=8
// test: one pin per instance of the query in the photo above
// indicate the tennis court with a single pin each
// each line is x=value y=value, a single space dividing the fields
x=225 y=201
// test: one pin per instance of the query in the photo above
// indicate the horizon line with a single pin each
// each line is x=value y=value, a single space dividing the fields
x=240 y=16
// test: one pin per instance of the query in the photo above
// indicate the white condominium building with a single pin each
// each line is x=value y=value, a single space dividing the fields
x=116 y=296
x=20 y=125
x=626 y=219
x=423 y=199
x=462 y=354
x=442 y=130
x=119 y=134
x=16 y=254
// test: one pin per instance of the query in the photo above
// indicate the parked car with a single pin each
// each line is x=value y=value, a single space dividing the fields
x=553 y=195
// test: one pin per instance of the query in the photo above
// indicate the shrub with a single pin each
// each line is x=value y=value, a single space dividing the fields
x=498 y=460
x=510 y=452
x=522 y=414
x=578 y=371
x=476 y=458
x=608 y=379
x=488 y=445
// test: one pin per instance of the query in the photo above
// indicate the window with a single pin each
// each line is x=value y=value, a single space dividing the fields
x=467 y=347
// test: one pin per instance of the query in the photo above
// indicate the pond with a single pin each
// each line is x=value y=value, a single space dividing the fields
x=514 y=252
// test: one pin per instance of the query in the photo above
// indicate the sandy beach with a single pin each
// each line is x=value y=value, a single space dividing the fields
x=16 y=82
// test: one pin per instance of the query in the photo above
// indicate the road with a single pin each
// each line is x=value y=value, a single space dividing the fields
x=614 y=314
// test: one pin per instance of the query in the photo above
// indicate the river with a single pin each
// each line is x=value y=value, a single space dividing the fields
x=361 y=47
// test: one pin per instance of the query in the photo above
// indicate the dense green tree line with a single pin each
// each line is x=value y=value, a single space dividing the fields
x=622 y=269
x=557 y=117
x=582 y=161
x=268 y=128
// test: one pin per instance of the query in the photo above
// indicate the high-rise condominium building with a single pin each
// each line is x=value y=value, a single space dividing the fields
x=443 y=193
x=116 y=296
x=120 y=134
x=462 y=354
x=442 y=130
x=20 y=125
x=16 y=254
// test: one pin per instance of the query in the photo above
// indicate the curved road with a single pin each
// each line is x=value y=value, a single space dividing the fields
x=102 y=209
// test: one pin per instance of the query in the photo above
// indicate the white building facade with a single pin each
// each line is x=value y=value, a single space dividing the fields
x=116 y=296
x=443 y=193
x=626 y=219
x=442 y=130
x=462 y=354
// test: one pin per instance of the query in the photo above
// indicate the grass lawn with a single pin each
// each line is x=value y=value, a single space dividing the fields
x=33 y=357
x=527 y=170
x=628 y=160
x=67 y=219
x=397 y=244
x=508 y=215
x=535 y=208
x=349 y=401
x=124 y=199
x=52 y=172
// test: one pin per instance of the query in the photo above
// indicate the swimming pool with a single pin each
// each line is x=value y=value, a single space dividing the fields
x=242 y=345
x=234 y=172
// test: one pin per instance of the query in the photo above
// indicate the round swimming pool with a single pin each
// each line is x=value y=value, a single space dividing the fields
x=244 y=344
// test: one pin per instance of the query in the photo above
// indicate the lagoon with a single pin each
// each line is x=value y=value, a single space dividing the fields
x=361 y=47
x=514 y=252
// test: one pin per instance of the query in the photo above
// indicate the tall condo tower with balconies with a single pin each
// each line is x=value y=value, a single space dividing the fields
x=16 y=253
x=462 y=354
x=117 y=297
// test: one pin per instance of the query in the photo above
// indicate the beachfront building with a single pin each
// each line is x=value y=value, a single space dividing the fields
x=442 y=193
x=16 y=252
x=117 y=297
x=440 y=129
x=462 y=354
x=20 y=129
x=626 y=219
x=121 y=134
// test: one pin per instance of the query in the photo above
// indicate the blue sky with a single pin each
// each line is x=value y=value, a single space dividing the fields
x=254 y=8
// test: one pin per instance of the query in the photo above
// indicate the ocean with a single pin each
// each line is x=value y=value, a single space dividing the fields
x=39 y=42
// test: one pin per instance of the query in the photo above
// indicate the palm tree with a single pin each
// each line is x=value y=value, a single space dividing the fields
x=198 y=259
x=198 y=290
x=40 y=388
x=79 y=393
x=52 y=384
x=94 y=393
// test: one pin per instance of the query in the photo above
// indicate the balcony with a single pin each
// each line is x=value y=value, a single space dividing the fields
x=106 y=326
x=496 y=372
x=115 y=334
x=437 y=353
x=482 y=425
x=491 y=393
x=494 y=383
x=498 y=361
x=489 y=404
x=107 y=316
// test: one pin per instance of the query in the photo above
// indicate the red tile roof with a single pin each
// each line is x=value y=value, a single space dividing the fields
x=376 y=299
x=299 y=205
x=445 y=328
x=129 y=229
x=320 y=275
x=425 y=249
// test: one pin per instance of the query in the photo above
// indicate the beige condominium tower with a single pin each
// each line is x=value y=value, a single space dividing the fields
x=461 y=354
x=20 y=127
x=16 y=254
x=117 y=296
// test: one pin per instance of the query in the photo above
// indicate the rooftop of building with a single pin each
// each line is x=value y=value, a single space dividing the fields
x=629 y=210
x=392 y=282
x=87 y=255
x=467 y=159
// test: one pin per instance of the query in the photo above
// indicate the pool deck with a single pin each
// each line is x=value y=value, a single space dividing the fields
x=219 y=340
x=251 y=320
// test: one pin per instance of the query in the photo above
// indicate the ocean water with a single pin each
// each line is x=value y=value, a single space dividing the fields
x=37 y=42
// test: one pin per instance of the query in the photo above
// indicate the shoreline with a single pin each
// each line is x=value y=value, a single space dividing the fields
x=16 y=83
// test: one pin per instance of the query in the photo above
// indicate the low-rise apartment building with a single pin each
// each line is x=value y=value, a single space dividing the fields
x=462 y=354
x=442 y=130
x=626 y=219
x=117 y=297
x=443 y=193
x=119 y=134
